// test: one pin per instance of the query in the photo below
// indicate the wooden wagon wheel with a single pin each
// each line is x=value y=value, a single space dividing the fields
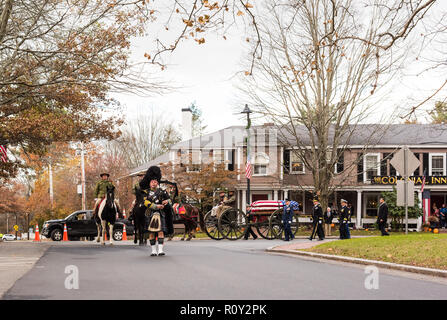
x=232 y=224
x=277 y=226
x=263 y=227
x=211 y=228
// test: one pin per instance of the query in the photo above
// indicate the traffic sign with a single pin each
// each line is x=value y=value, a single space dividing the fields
x=400 y=188
x=16 y=227
x=398 y=162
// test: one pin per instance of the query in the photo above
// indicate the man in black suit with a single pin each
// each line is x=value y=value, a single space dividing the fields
x=382 y=217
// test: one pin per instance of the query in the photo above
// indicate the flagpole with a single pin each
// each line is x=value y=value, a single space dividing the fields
x=248 y=111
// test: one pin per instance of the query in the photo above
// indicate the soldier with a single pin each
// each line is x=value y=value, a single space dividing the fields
x=288 y=209
x=343 y=219
x=226 y=203
x=101 y=192
x=317 y=221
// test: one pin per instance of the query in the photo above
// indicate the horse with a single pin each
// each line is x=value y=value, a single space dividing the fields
x=140 y=222
x=186 y=214
x=107 y=212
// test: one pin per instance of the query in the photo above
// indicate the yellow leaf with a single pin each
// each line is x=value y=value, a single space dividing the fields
x=248 y=5
x=240 y=13
x=247 y=73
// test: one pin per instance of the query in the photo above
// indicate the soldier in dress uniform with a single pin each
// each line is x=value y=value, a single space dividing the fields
x=343 y=219
x=101 y=192
x=288 y=210
x=317 y=221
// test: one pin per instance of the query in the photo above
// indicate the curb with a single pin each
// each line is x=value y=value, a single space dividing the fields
x=382 y=264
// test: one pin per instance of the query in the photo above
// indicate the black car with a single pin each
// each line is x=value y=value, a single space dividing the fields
x=81 y=224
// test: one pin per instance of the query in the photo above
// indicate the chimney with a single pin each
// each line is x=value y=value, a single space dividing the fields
x=186 y=124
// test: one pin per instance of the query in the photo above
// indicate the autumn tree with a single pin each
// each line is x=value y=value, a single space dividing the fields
x=143 y=139
x=323 y=63
x=59 y=60
x=439 y=114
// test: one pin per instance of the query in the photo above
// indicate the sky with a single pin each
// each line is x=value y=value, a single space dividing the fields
x=205 y=74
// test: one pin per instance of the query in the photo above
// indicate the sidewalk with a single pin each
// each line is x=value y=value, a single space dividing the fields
x=16 y=259
x=297 y=249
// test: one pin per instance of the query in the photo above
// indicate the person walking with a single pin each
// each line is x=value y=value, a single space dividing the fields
x=317 y=221
x=343 y=219
x=288 y=210
x=249 y=230
x=443 y=215
x=328 y=216
x=382 y=217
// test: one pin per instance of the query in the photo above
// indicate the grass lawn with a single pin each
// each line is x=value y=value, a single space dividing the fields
x=417 y=249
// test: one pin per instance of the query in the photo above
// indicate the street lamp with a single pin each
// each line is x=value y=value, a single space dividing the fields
x=248 y=168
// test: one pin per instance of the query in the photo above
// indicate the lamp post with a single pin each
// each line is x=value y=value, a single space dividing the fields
x=248 y=169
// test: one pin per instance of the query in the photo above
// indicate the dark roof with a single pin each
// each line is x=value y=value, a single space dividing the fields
x=358 y=135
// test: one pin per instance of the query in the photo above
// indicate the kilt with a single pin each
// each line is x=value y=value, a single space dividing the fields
x=162 y=219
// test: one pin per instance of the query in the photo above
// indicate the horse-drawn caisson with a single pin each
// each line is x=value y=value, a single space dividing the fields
x=265 y=216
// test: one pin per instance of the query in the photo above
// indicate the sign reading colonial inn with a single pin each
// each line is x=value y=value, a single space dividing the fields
x=429 y=180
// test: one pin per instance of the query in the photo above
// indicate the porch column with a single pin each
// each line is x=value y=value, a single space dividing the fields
x=419 y=223
x=244 y=200
x=358 y=223
x=275 y=195
x=286 y=194
x=304 y=201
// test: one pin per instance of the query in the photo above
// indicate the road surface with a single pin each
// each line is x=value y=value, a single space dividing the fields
x=207 y=269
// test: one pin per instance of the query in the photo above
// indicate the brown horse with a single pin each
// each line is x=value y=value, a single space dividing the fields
x=187 y=214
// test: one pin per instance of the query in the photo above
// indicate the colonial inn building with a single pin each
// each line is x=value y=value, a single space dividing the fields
x=363 y=172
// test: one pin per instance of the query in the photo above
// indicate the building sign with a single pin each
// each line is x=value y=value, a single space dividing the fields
x=429 y=180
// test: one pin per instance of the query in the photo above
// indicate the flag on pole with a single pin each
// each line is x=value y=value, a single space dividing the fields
x=423 y=183
x=3 y=154
x=248 y=169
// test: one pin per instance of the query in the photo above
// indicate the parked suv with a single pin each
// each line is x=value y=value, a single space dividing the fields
x=81 y=224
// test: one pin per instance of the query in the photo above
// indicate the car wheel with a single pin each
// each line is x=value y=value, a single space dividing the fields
x=56 y=235
x=117 y=235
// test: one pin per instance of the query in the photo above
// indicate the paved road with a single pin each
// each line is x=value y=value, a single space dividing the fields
x=207 y=269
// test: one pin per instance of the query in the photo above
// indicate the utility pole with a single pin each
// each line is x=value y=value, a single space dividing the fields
x=406 y=187
x=50 y=173
x=83 y=176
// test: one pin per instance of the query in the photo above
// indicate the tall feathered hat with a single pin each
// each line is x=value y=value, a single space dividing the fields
x=153 y=173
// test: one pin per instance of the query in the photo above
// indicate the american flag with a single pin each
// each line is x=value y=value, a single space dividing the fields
x=423 y=183
x=248 y=169
x=3 y=154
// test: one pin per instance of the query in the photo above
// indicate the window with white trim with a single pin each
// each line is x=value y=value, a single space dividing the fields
x=296 y=164
x=371 y=165
x=260 y=164
x=194 y=161
x=437 y=164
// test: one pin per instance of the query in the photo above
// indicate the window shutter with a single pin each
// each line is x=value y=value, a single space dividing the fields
x=286 y=165
x=425 y=163
x=231 y=160
x=383 y=164
x=417 y=171
x=360 y=167
x=341 y=163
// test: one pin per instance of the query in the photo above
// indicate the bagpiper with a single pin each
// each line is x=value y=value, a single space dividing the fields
x=159 y=210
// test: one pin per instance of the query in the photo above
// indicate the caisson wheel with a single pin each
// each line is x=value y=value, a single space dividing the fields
x=211 y=228
x=277 y=225
x=232 y=224
x=262 y=224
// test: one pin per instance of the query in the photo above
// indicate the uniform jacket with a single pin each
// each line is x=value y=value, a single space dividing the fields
x=317 y=213
x=344 y=214
x=156 y=197
x=101 y=188
x=289 y=209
